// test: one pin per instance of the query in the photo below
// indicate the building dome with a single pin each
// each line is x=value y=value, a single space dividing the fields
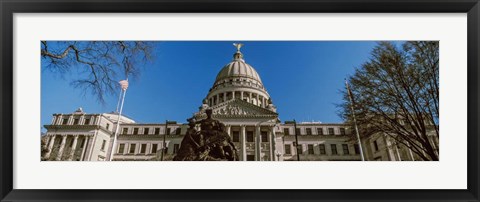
x=237 y=68
x=237 y=80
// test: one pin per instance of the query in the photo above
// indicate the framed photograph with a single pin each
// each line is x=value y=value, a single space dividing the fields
x=239 y=101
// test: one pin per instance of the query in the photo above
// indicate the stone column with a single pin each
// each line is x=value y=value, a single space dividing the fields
x=217 y=97
x=271 y=138
x=242 y=142
x=70 y=120
x=258 y=140
x=241 y=95
x=74 y=147
x=224 y=96
x=258 y=100
x=388 y=148
x=233 y=95
x=250 y=97
x=229 y=130
x=84 y=147
x=50 y=147
x=263 y=102
x=80 y=120
x=57 y=121
x=89 y=148
x=62 y=146
x=97 y=120
x=410 y=152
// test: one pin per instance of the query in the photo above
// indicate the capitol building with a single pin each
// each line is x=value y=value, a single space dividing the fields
x=239 y=99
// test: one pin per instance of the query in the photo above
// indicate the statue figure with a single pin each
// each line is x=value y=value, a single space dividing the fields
x=211 y=143
x=190 y=143
x=204 y=105
x=270 y=105
x=238 y=46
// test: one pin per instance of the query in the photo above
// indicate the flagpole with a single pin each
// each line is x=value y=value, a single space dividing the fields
x=350 y=95
x=124 y=86
x=119 y=99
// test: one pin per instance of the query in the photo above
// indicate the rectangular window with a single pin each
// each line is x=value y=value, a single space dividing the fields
x=375 y=145
x=236 y=136
x=264 y=136
x=154 y=148
x=331 y=131
x=320 y=131
x=143 y=148
x=175 y=148
x=121 y=148
x=87 y=122
x=108 y=126
x=250 y=157
x=132 y=148
x=310 y=149
x=345 y=149
x=65 y=122
x=146 y=131
x=75 y=121
x=286 y=131
x=157 y=131
x=334 y=149
x=342 y=131
x=178 y=131
x=298 y=131
x=249 y=136
x=104 y=142
x=169 y=130
x=299 y=149
x=309 y=131
x=125 y=131
x=288 y=149
x=357 y=149
x=322 y=149
x=135 y=131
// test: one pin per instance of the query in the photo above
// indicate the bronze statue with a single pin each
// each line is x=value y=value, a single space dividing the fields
x=211 y=143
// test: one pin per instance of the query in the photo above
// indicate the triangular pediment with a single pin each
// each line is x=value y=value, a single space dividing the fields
x=240 y=109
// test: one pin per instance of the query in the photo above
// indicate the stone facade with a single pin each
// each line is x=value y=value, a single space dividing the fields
x=238 y=99
x=255 y=140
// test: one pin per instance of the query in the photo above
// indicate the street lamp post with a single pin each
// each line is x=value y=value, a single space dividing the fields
x=164 y=136
x=278 y=155
x=296 y=137
x=163 y=143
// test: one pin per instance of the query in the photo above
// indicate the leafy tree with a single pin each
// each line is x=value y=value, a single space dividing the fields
x=100 y=64
x=397 y=93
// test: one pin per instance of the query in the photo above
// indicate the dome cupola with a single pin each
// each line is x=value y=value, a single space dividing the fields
x=238 y=80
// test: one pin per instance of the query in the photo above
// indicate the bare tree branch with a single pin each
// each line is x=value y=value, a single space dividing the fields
x=101 y=63
x=396 y=93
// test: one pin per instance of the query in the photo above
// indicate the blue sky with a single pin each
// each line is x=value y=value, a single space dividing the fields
x=303 y=79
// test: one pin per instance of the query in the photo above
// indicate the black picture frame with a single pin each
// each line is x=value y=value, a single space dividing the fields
x=10 y=7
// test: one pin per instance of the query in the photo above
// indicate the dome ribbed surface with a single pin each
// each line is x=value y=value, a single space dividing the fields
x=238 y=68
